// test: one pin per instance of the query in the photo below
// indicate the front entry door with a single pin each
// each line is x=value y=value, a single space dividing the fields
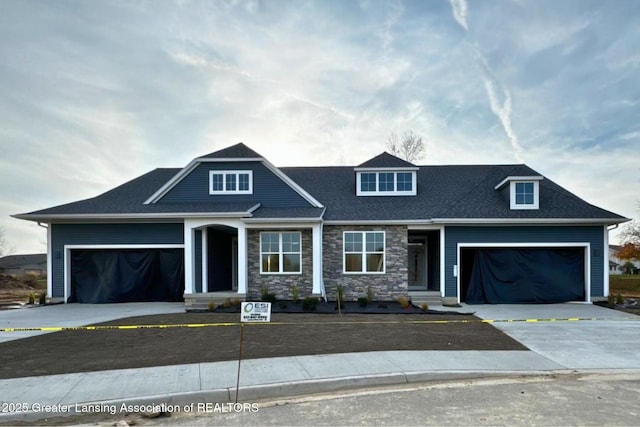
x=417 y=263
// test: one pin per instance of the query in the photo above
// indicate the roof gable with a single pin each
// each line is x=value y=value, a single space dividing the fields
x=386 y=160
x=238 y=151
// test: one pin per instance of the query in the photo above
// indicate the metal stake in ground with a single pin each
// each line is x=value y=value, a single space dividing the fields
x=251 y=312
x=239 y=359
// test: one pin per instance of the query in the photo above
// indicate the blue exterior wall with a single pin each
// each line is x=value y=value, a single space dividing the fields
x=526 y=234
x=106 y=234
x=268 y=189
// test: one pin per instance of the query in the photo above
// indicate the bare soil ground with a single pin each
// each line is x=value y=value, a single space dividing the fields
x=15 y=290
x=301 y=334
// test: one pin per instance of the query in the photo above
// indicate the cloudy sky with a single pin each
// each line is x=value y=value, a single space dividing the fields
x=94 y=93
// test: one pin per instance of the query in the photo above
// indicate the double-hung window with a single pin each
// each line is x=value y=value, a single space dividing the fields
x=280 y=252
x=364 y=251
x=230 y=182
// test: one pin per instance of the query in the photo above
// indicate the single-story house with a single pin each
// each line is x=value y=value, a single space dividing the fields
x=232 y=224
x=617 y=265
x=18 y=265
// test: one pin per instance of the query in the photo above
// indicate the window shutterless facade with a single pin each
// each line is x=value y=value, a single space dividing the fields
x=364 y=252
x=281 y=252
x=387 y=183
x=230 y=182
x=524 y=195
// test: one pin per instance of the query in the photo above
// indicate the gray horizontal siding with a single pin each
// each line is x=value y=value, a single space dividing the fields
x=106 y=234
x=268 y=189
x=527 y=234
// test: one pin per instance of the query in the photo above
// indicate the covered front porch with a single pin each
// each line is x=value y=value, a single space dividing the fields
x=223 y=258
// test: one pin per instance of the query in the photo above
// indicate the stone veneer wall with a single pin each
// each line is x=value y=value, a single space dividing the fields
x=279 y=284
x=388 y=286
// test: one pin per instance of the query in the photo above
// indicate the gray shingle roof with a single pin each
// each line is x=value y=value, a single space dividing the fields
x=455 y=191
x=444 y=192
x=235 y=151
x=386 y=160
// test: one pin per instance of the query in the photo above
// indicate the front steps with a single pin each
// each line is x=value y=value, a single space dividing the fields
x=201 y=301
x=429 y=297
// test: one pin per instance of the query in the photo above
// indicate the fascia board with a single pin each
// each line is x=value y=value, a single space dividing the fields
x=524 y=221
x=379 y=222
x=175 y=215
x=295 y=187
x=172 y=182
x=372 y=169
x=518 y=178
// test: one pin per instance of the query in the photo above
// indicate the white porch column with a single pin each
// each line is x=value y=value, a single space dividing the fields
x=605 y=258
x=242 y=259
x=188 y=258
x=205 y=262
x=50 y=263
x=316 y=239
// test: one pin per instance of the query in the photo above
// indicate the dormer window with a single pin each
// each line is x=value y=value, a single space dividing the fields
x=230 y=182
x=386 y=175
x=386 y=183
x=524 y=191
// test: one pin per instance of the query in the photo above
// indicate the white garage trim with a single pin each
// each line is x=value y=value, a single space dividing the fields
x=69 y=248
x=585 y=245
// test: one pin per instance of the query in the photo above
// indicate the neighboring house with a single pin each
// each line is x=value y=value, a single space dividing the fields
x=19 y=265
x=230 y=223
x=616 y=265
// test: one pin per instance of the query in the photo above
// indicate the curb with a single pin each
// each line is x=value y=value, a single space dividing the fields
x=180 y=401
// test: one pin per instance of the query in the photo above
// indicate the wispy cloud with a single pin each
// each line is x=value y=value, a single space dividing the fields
x=460 y=12
x=95 y=95
x=500 y=102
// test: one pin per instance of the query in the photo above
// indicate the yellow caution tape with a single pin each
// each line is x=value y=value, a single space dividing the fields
x=209 y=325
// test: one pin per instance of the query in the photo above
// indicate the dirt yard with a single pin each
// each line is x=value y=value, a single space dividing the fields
x=16 y=290
x=302 y=334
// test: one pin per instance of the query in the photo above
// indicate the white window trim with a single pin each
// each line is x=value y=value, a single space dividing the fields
x=280 y=254
x=364 y=252
x=536 y=195
x=224 y=174
x=395 y=191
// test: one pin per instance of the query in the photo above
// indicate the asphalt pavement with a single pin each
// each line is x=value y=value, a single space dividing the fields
x=562 y=338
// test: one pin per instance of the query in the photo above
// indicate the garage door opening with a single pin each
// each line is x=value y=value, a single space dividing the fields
x=126 y=275
x=522 y=275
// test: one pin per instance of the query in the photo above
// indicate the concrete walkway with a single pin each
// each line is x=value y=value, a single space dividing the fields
x=608 y=344
x=68 y=315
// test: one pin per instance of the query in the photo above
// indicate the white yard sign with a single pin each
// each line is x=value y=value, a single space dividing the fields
x=255 y=312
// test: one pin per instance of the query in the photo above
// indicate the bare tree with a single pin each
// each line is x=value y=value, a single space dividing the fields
x=5 y=249
x=409 y=148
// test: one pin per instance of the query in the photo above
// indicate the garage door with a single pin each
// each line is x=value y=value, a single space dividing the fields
x=522 y=275
x=126 y=275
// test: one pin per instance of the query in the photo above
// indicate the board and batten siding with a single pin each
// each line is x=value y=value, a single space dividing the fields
x=106 y=234
x=594 y=235
x=268 y=189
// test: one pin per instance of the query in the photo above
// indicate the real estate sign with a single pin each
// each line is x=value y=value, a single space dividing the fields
x=255 y=312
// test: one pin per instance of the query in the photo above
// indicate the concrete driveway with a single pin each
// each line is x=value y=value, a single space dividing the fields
x=76 y=315
x=610 y=342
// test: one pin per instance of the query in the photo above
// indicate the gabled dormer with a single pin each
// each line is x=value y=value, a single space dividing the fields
x=233 y=175
x=524 y=191
x=386 y=175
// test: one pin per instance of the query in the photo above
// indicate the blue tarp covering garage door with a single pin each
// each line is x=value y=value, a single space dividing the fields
x=522 y=275
x=126 y=275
